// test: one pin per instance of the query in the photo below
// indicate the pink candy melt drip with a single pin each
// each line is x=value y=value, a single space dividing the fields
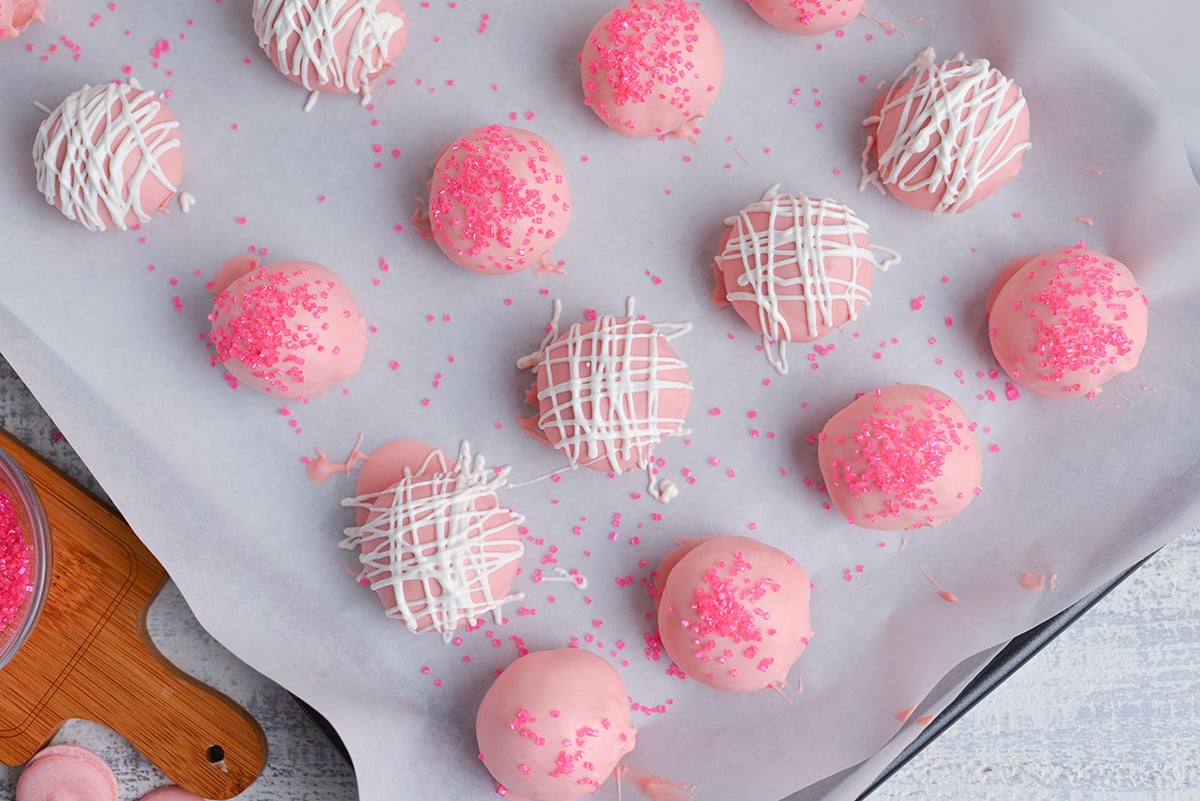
x=261 y=336
x=14 y=563
x=1075 y=336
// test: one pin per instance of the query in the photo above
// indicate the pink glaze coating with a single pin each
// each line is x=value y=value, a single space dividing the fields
x=109 y=156
x=554 y=725
x=947 y=135
x=499 y=200
x=607 y=392
x=410 y=493
x=17 y=15
x=1064 y=322
x=808 y=17
x=338 y=46
x=652 y=67
x=66 y=773
x=733 y=612
x=794 y=268
x=902 y=456
x=290 y=329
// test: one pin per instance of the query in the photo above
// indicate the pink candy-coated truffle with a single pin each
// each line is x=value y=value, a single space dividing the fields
x=436 y=546
x=17 y=15
x=290 y=329
x=1064 y=322
x=66 y=773
x=900 y=457
x=808 y=17
x=109 y=156
x=499 y=200
x=794 y=268
x=331 y=45
x=733 y=612
x=652 y=67
x=607 y=392
x=947 y=135
x=554 y=725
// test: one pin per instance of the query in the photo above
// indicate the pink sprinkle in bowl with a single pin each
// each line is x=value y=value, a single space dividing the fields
x=30 y=517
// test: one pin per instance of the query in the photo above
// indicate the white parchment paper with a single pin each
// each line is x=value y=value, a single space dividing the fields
x=107 y=329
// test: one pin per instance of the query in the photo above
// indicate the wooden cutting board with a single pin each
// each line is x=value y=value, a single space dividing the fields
x=91 y=657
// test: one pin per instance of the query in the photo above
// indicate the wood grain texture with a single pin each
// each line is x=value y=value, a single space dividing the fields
x=91 y=657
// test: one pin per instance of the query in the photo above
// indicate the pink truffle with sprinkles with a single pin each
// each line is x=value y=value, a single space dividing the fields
x=795 y=268
x=499 y=200
x=652 y=68
x=1065 y=322
x=554 y=726
x=733 y=612
x=945 y=136
x=17 y=15
x=290 y=329
x=340 y=46
x=808 y=17
x=608 y=391
x=900 y=457
x=434 y=542
x=109 y=156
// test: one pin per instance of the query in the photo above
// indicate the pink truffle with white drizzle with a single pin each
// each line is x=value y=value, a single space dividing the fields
x=946 y=135
x=109 y=156
x=652 y=68
x=499 y=200
x=902 y=456
x=808 y=17
x=733 y=612
x=554 y=725
x=1065 y=322
x=340 y=46
x=291 y=329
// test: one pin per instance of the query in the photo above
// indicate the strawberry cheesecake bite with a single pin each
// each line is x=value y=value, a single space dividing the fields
x=499 y=200
x=1065 y=322
x=795 y=268
x=554 y=726
x=900 y=457
x=945 y=136
x=652 y=68
x=435 y=544
x=17 y=15
x=109 y=156
x=66 y=772
x=733 y=612
x=608 y=391
x=290 y=329
x=339 y=46
x=808 y=17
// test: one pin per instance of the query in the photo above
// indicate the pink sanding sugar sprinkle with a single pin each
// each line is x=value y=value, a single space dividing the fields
x=14 y=562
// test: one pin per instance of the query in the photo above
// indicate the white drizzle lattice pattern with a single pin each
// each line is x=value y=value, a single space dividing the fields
x=974 y=132
x=805 y=245
x=594 y=409
x=315 y=25
x=97 y=131
x=430 y=529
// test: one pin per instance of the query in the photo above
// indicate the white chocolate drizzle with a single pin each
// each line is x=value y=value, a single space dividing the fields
x=95 y=133
x=317 y=24
x=594 y=409
x=431 y=528
x=961 y=102
x=812 y=238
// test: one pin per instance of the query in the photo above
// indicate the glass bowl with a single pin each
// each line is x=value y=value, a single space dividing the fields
x=24 y=557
